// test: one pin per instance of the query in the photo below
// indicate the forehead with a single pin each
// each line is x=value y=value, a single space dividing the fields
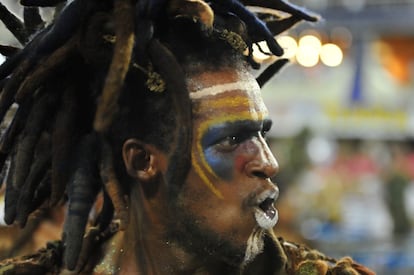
x=228 y=94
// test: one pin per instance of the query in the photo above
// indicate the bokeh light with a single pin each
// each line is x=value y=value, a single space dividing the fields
x=289 y=45
x=310 y=41
x=308 y=51
x=307 y=56
x=331 y=55
x=354 y=5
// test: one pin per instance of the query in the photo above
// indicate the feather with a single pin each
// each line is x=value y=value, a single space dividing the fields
x=270 y=71
x=279 y=26
x=256 y=28
x=32 y=19
x=41 y=3
x=282 y=5
x=13 y=24
x=8 y=50
x=197 y=10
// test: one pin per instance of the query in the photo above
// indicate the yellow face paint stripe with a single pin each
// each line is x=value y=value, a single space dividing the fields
x=247 y=115
x=237 y=101
x=205 y=179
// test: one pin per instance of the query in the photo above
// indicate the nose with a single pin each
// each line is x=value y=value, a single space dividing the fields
x=264 y=165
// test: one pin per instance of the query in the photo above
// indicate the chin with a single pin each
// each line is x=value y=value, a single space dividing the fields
x=205 y=242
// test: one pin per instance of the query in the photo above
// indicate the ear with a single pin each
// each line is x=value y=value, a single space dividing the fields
x=140 y=160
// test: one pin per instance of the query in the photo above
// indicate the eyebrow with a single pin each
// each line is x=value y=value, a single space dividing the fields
x=217 y=132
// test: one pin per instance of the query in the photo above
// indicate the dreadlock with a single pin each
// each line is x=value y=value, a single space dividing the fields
x=103 y=66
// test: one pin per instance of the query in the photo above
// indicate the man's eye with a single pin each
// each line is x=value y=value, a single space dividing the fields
x=229 y=143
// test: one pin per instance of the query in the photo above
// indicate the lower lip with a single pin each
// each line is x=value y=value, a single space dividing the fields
x=263 y=220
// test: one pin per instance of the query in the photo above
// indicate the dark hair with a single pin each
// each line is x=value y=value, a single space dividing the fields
x=102 y=72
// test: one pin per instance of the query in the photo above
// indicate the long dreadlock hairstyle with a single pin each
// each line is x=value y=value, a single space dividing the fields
x=71 y=85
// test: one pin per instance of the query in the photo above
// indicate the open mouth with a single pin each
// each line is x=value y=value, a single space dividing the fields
x=265 y=213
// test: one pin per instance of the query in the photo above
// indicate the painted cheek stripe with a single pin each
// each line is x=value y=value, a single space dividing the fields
x=249 y=86
x=205 y=179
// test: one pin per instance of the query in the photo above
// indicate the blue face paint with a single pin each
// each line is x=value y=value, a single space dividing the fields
x=222 y=166
x=219 y=144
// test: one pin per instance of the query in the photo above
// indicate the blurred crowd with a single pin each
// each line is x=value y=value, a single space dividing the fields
x=349 y=197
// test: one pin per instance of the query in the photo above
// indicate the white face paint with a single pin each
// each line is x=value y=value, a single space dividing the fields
x=255 y=245
x=250 y=87
x=244 y=84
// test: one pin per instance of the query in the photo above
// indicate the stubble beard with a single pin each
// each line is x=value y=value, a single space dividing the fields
x=203 y=242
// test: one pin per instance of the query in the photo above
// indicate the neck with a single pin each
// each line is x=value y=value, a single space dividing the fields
x=149 y=250
x=158 y=259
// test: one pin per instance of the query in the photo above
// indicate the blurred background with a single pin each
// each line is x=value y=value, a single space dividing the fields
x=343 y=134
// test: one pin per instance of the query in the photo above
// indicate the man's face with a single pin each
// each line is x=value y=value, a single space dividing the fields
x=228 y=193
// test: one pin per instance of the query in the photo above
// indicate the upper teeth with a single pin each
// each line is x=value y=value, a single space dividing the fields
x=269 y=194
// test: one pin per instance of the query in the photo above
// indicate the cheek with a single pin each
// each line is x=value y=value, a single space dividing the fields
x=226 y=165
x=240 y=162
x=245 y=153
x=222 y=165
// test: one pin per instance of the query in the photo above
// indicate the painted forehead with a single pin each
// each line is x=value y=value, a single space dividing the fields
x=211 y=83
x=232 y=92
x=221 y=101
